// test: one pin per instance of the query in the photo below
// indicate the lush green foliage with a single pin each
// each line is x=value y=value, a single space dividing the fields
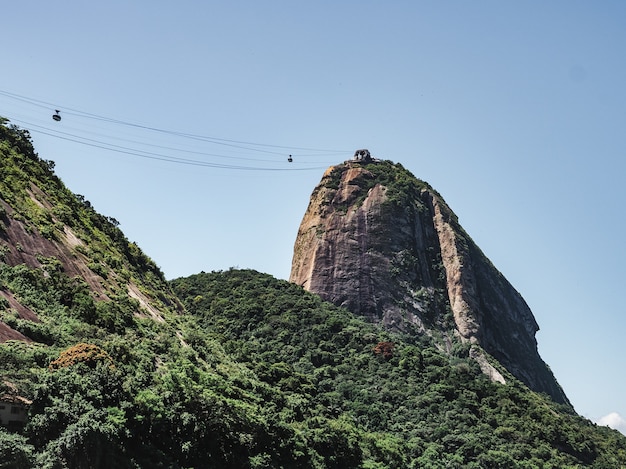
x=252 y=372
x=417 y=407
x=39 y=199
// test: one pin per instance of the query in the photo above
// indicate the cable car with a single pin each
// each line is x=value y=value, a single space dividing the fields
x=290 y=159
x=56 y=116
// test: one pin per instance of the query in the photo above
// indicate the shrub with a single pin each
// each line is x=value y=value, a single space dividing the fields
x=88 y=354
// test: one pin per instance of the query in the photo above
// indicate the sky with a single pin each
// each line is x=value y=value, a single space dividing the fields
x=178 y=119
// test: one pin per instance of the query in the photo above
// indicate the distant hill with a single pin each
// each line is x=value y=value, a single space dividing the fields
x=120 y=368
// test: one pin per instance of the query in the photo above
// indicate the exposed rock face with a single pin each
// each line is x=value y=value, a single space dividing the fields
x=24 y=245
x=57 y=241
x=385 y=245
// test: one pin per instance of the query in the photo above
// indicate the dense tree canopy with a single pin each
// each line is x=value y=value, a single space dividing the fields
x=409 y=404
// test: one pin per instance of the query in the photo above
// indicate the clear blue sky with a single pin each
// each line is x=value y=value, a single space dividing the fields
x=513 y=111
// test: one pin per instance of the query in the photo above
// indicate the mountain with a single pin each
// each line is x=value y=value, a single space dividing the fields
x=93 y=339
x=58 y=235
x=386 y=246
x=107 y=364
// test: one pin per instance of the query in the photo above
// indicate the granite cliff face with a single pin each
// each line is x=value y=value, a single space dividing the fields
x=385 y=245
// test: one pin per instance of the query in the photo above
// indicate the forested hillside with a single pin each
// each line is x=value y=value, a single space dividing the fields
x=229 y=369
x=400 y=401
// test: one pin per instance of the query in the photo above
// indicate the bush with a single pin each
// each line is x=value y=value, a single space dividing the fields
x=88 y=354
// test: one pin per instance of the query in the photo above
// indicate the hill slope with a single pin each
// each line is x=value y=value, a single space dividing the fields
x=393 y=399
x=93 y=335
x=233 y=369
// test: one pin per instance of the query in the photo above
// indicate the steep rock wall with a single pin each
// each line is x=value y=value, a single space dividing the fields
x=385 y=245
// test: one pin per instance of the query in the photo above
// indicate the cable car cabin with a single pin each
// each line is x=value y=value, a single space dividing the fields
x=56 y=116
x=290 y=159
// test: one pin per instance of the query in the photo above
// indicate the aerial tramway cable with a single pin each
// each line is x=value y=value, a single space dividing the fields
x=166 y=152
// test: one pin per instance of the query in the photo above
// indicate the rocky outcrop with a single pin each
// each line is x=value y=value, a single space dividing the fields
x=59 y=244
x=23 y=244
x=385 y=245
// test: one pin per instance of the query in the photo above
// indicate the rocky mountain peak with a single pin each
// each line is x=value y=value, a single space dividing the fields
x=386 y=246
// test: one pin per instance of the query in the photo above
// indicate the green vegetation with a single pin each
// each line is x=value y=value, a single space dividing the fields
x=408 y=404
x=403 y=189
x=240 y=370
